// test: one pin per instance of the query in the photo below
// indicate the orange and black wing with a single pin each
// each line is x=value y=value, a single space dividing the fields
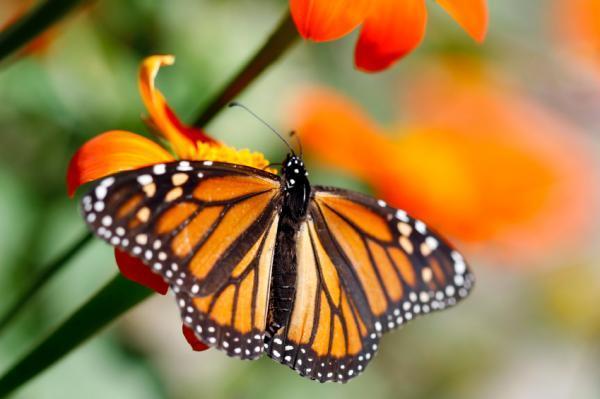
x=364 y=268
x=234 y=317
x=209 y=230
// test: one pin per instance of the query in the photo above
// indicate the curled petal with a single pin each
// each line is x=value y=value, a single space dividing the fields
x=112 y=152
x=135 y=270
x=182 y=138
x=323 y=20
x=472 y=15
x=191 y=338
x=392 y=30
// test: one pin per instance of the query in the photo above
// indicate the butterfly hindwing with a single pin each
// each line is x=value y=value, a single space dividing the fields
x=371 y=269
x=327 y=338
x=234 y=317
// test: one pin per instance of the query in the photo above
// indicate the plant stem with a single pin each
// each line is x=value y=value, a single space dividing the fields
x=284 y=36
x=116 y=297
x=34 y=23
x=45 y=275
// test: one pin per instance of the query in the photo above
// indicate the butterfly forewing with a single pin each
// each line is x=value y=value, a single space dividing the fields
x=209 y=230
x=402 y=267
x=190 y=222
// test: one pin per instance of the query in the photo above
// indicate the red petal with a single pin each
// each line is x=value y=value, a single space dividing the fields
x=322 y=20
x=191 y=338
x=393 y=29
x=135 y=270
x=472 y=15
x=112 y=152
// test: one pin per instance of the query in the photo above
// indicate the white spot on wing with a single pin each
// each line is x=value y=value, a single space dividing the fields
x=101 y=192
x=432 y=243
x=184 y=166
x=401 y=215
x=420 y=226
x=144 y=179
x=159 y=169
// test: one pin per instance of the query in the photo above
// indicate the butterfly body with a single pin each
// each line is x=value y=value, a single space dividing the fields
x=295 y=194
x=311 y=276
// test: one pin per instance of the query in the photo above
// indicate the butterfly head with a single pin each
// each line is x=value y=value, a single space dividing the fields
x=293 y=171
x=295 y=183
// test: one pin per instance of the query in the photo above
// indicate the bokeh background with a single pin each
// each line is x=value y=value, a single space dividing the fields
x=515 y=123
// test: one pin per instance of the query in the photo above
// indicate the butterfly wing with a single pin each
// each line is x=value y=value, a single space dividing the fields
x=234 y=317
x=208 y=229
x=364 y=268
x=326 y=337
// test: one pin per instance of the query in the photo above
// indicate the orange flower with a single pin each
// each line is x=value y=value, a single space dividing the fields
x=578 y=27
x=478 y=161
x=390 y=28
x=117 y=151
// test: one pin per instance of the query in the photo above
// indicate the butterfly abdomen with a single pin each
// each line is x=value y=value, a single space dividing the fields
x=296 y=193
x=283 y=285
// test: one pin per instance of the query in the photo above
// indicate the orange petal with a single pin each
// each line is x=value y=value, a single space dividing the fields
x=472 y=15
x=135 y=270
x=578 y=28
x=191 y=338
x=323 y=20
x=517 y=172
x=182 y=138
x=112 y=152
x=336 y=130
x=511 y=179
x=393 y=29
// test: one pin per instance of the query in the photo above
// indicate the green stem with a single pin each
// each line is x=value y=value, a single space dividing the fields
x=45 y=275
x=118 y=296
x=282 y=38
x=34 y=23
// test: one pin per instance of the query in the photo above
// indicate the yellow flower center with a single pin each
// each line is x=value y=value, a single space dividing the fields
x=224 y=153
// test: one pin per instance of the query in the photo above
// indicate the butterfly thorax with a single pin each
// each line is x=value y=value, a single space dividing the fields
x=296 y=195
x=295 y=187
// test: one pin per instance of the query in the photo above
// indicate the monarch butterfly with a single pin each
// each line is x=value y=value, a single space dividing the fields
x=264 y=264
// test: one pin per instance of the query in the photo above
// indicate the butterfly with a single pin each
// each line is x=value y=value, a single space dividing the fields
x=261 y=263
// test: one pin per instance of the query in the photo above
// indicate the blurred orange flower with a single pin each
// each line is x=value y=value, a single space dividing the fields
x=117 y=151
x=478 y=160
x=390 y=28
x=578 y=26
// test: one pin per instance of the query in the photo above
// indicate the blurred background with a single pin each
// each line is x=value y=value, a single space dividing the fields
x=496 y=146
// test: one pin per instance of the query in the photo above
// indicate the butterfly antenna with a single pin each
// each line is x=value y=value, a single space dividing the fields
x=293 y=133
x=236 y=104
